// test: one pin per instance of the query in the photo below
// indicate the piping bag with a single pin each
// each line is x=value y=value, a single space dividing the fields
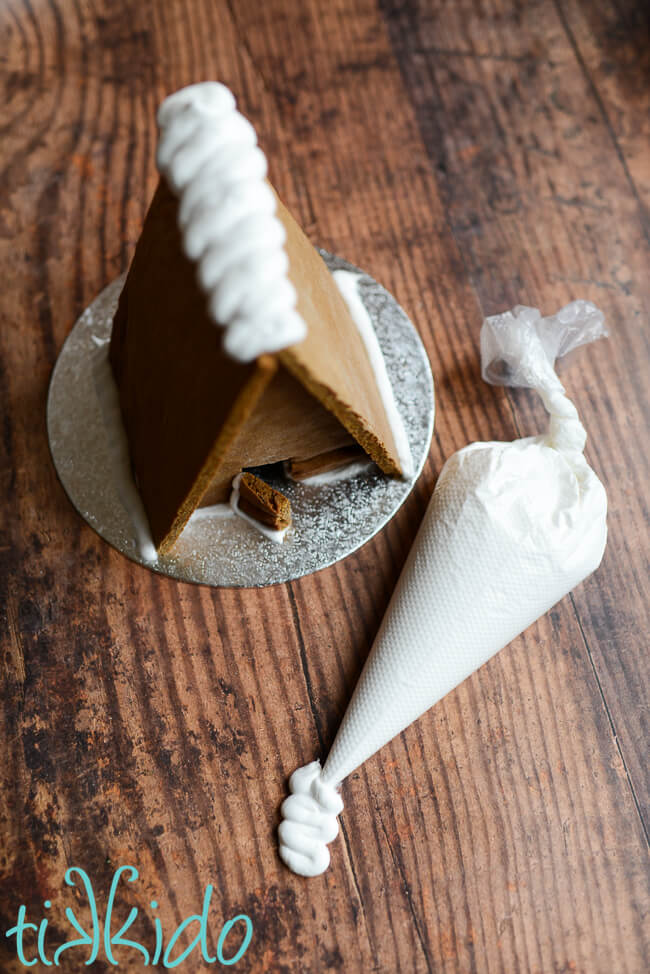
x=510 y=529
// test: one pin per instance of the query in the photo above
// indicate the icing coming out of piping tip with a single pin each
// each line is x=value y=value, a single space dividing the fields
x=309 y=821
x=208 y=154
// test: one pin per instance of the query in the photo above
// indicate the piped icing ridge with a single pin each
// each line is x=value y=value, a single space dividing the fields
x=208 y=154
x=309 y=821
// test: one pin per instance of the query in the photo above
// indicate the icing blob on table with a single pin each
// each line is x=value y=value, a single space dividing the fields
x=310 y=821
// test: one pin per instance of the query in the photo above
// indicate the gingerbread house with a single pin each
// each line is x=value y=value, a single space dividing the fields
x=232 y=345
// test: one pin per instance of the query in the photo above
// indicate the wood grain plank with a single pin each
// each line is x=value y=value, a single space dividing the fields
x=155 y=723
x=610 y=44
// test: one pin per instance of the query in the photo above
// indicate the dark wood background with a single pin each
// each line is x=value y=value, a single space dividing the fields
x=470 y=156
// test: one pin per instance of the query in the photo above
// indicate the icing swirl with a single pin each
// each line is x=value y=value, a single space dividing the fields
x=309 y=821
x=208 y=154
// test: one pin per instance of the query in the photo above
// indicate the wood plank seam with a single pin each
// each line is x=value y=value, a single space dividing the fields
x=407 y=892
x=611 y=720
x=643 y=218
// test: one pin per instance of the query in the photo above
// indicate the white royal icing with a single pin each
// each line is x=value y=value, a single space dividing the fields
x=211 y=511
x=327 y=477
x=309 y=821
x=208 y=154
x=347 y=283
x=118 y=449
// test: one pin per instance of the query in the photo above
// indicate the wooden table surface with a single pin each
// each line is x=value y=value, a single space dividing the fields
x=470 y=156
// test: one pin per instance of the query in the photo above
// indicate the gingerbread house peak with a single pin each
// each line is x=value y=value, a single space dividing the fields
x=209 y=156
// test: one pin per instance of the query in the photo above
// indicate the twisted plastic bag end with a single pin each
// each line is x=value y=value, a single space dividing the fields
x=519 y=347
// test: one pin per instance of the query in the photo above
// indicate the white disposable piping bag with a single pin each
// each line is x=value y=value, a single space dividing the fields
x=510 y=529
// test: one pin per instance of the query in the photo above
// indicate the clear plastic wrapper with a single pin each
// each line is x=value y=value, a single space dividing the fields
x=510 y=342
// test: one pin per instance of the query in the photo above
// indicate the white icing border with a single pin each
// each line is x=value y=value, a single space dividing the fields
x=208 y=154
x=347 y=283
x=352 y=469
x=117 y=447
x=212 y=510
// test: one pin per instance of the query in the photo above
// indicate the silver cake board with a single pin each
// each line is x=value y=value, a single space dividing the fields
x=218 y=549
